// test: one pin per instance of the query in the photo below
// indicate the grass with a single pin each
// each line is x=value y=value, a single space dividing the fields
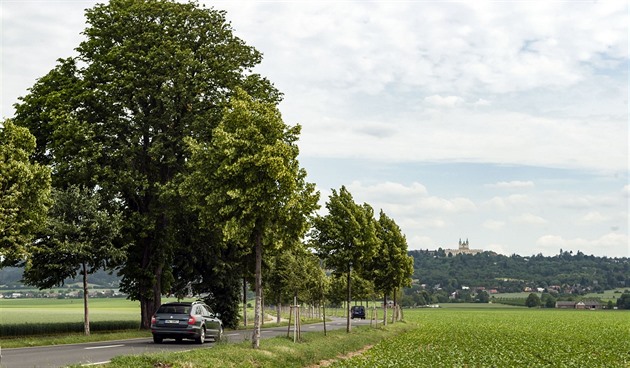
x=607 y=295
x=505 y=337
x=464 y=336
x=475 y=335
x=67 y=310
x=40 y=321
x=276 y=352
x=75 y=338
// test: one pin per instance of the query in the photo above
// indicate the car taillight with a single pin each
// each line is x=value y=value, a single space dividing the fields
x=192 y=320
x=153 y=320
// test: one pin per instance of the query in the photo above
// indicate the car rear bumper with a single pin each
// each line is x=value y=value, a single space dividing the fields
x=173 y=333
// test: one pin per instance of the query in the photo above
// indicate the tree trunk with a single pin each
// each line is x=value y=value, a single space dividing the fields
x=244 y=301
x=258 y=289
x=385 y=309
x=348 y=299
x=395 y=310
x=148 y=306
x=278 y=310
x=324 y=315
x=86 y=310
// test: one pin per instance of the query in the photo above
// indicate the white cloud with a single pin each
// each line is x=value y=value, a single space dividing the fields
x=493 y=224
x=507 y=85
x=389 y=191
x=528 y=218
x=517 y=184
x=454 y=205
x=594 y=217
x=422 y=242
x=422 y=223
x=482 y=102
x=504 y=203
x=497 y=248
x=413 y=197
x=611 y=243
x=439 y=101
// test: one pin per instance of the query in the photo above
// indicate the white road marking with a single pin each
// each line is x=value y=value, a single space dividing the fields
x=104 y=347
x=97 y=363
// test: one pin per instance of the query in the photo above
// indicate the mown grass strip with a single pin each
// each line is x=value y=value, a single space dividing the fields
x=273 y=353
x=72 y=338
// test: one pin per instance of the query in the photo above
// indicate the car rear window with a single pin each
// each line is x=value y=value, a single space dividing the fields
x=174 y=309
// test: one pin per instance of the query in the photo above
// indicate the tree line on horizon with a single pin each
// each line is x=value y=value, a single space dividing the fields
x=438 y=274
x=157 y=152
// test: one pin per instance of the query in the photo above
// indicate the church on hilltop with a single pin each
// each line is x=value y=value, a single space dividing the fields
x=464 y=248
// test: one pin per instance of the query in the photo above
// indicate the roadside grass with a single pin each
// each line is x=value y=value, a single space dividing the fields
x=74 y=338
x=276 y=352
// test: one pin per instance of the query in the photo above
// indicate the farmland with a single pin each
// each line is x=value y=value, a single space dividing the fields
x=477 y=335
x=504 y=337
x=26 y=317
x=67 y=310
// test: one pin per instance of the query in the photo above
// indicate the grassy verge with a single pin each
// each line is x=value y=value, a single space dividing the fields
x=273 y=353
x=10 y=340
x=24 y=342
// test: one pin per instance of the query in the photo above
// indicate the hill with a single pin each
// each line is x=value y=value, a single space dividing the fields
x=10 y=278
x=565 y=272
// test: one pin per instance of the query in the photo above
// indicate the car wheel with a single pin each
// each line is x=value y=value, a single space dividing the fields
x=157 y=339
x=202 y=336
x=219 y=335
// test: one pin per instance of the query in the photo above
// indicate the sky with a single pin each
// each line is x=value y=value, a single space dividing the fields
x=504 y=122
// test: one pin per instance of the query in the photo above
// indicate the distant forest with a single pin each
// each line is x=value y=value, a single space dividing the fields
x=10 y=278
x=571 y=273
x=565 y=272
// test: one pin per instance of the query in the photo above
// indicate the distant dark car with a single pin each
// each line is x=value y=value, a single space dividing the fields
x=357 y=311
x=186 y=320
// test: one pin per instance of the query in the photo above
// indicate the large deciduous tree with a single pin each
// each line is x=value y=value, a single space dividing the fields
x=345 y=238
x=79 y=238
x=149 y=74
x=24 y=192
x=248 y=179
x=391 y=267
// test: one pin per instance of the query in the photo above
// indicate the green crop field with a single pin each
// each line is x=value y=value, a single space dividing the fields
x=28 y=317
x=16 y=311
x=504 y=337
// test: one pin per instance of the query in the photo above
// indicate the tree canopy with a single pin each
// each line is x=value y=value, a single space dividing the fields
x=24 y=192
x=346 y=237
x=79 y=238
x=149 y=74
x=249 y=182
x=391 y=267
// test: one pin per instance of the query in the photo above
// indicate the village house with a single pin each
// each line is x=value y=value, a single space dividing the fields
x=584 y=305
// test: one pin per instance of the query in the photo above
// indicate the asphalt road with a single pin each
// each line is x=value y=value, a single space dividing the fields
x=89 y=354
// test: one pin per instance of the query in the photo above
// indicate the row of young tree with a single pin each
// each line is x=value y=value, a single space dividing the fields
x=158 y=152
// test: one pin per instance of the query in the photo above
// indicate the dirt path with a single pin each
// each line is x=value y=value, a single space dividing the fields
x=327 y=362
